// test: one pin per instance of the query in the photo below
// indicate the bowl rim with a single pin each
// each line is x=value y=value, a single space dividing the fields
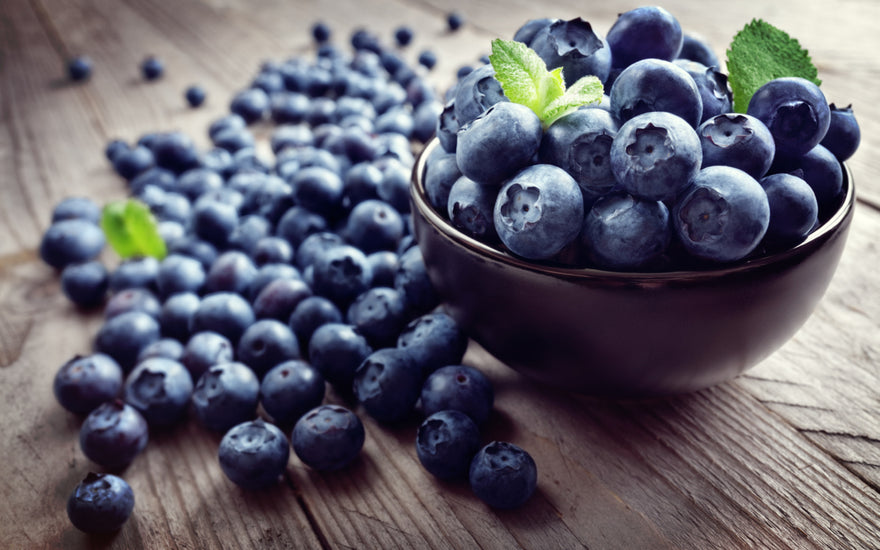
x=423 y=206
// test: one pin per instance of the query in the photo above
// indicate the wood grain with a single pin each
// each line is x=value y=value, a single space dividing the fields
x=785 y=456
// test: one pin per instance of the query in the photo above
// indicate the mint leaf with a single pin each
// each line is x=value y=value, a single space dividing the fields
x=760 y=53
x=131 y=229
x=523 y=75
x=586 y=90
x=524 y=78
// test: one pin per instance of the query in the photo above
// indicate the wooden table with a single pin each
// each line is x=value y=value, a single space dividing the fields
x=785 y=456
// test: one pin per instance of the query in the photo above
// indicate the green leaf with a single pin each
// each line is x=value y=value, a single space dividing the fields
x=523 y=75
x=586 y=90
x=131 y=229
x=760 y=53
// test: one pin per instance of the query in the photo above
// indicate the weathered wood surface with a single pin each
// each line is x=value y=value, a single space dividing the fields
x=786 y=456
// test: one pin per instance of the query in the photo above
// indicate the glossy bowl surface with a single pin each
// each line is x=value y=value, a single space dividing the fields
x=627 y=334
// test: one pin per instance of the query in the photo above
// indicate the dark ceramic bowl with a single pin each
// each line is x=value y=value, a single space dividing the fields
x=627 y=334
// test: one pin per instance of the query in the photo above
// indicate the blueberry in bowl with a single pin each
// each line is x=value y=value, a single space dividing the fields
x=639 y=332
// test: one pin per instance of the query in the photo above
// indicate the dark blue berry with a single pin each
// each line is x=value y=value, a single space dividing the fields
x=254 y=454
x=446 y=443
x=113 y=435
x=79 y=68
x=85 y=284
x=195 y=95
x=387 y=384
x=152 y=68
x=204 y=350
x=290 y=389
x=503 y=475
x=460 y=388
x=226 y=395
x=160 y=389
x=265 y=344
x=100 y=503
x=71 y=241
x=124 y=336
x=329 y=437
x=84 y=382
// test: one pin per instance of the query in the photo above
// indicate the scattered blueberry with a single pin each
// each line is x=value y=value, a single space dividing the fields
x=79 y=68
x=227 y=394
x=195 y=95
x=160 y=389
x=100 y=503
x=85 y=382
x=387 y=384
x=254 y=454
x=290 y=389
x=71 y=241
x=113 y=434
x=329 y=437
x=503 y=475
x=85 y=284
x=152 y=68
x=446 y=443
x=460 y=388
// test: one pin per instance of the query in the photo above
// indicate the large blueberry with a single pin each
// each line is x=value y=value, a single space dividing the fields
x=446 y=443
x=461 y=388
x=434 y=340
x=624 y=232
x=226 y=313
x=84 y=382
x=539 y=211
x=328 y=437
x=177 y=311
x=475 y=93
x=85 y=284
x=498 y=143
x=387 y=384
x=656 y=85
x=124 y=336
x=254 y=454
x=341 y=273
x=738 y=140
x=374 y=225
x=644 y=32
x=113 y=434
x=100 y=503
x=470 y=208
x=574 y=46
x=160 y=390
x=204 y=350
x=290 y=389
x=336 y=350
x=503 y=475
x=226 y=395
x=580 y=144
x=71 y=241
x=793 y=209
x=265 y=344
x=722 y=216
x=795 y=111
x=179 y=273
x=712 y=83
x=655 y=155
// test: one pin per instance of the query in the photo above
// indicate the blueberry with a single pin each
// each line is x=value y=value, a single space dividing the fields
x=454 y=21
x=695 y=48
x=379 y=314
x=498 y=143
x=85 y=284
x=226 y=313
x=265 y=344
x=328 y=437
x=313 y=246
x=133 y=299
x=722 y=216
x=114 y=147
x=424 y=120
x=268 y=273
x=434 y=340
x=321 y=32
x=843 y=135
x=176 y=151
x=441 y=172
x=470 y=208
x=195 y=95
x=71 y=241
x=204 y=350
x=446 y=443
x=503 y=475
x=251 y=104
x=645 y=32
x=82 y=208
x=124 y=336
x=413 y=282
x=179 y=273
x=133 y=161
x=822 y=172
x=460 y=388
x=214 y=221
x=249 y=230
x=656 y=85
x=383 y=267
x=341 y=273
x=580 y=144
x=199 y=181
x=795 y=111
x=394 y=188
x=84 y=382
x=655 y=155
x=233 y=140
x=387 y=384
x=164 y=347
x=272 y=250
x=738 y=140
x=475 y=93
x=152 y=68
x=574 y=46
x=447 y=127
x=622 y=232
x=160 y=389
x=403 y=35
x=712 y=84
x=539 y=211
x=176 y=315
x=232 y=271
x=427 y=59
x=374 y=225
x=100 y=503
x=279 y=298
x=794 y=210
x=79 y=68
x=288 y=108
x=336 y=350
x=528 y=30
x=361 y=183
x=227 y=394
x=290 y=389
x=318 y=189
x=254 y=454
x=310 y=314
x=113 y=434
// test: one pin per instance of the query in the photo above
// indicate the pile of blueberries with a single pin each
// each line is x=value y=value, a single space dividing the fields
x=282 y=276
x=660 y=175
